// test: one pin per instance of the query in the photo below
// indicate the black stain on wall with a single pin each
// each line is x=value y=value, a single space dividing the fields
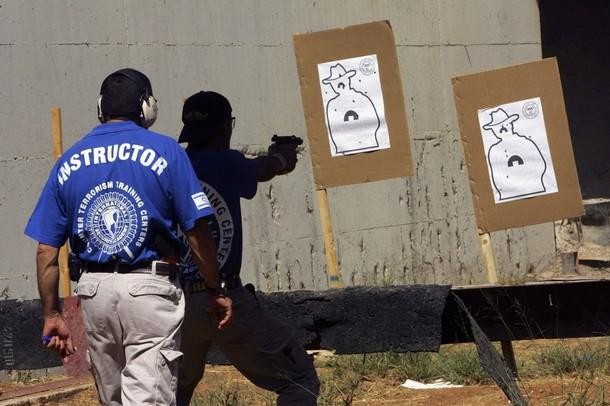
x=20 y=331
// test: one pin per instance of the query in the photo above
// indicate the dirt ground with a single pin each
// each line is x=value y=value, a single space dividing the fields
x=220 y=382
x=540 y=391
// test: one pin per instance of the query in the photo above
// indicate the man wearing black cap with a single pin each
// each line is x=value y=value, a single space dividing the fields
x=118 y=195
x=256 y=343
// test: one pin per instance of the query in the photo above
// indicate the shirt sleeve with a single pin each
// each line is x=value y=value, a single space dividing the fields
x=190 y=202
x=246 y=175
x=48 y=223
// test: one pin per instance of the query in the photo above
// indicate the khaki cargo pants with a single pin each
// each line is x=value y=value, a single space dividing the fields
x=256 y=343
x=132 y=323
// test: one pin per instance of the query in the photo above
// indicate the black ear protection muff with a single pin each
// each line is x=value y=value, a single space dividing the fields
x=147 y=102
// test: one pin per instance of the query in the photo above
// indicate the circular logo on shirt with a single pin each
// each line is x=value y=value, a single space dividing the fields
x=221 y=227
x=110 y=216
x=113 y=222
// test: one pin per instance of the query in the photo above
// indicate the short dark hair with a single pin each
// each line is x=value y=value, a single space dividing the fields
x=122 y=93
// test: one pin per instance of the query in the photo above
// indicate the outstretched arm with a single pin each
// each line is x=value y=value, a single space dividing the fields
x=280 y=160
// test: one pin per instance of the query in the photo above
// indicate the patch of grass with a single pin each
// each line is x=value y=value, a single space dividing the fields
x=25 y=377
x=344 y=375
x=587 y=393
x=393 y=365
x=347 y=379
x=220 y=397
x=231 y=395
x=462 y=366
x=419 y=366
x=582 y=360
x=341 y=381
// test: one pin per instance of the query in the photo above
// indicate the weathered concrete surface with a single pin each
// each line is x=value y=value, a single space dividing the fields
x=596 y=231
x=415 y=230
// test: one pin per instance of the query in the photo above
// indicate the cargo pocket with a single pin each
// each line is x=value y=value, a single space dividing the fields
x=87 y=288
x=151 y=287
x=168 y=362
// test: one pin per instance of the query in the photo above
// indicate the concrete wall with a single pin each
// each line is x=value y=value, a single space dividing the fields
x=415 y=230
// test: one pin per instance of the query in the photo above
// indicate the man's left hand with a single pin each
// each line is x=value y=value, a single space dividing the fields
x=60 y=339
x=222 y=307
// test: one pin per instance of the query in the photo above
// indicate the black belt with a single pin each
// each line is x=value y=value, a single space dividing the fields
x=159 y=267
x=200 y=286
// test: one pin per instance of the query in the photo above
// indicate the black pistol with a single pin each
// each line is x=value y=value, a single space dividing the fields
x=286 y=139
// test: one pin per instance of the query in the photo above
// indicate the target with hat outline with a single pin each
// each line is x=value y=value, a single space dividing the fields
x=517 y=150
x=353 y=105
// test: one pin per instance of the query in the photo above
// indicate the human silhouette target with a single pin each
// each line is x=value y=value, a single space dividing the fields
x=353 y=105
x=517 y=150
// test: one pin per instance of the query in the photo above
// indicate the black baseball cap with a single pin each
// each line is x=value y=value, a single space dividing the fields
x=205 y=109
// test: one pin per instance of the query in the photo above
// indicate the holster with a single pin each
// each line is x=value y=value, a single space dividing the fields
x=74 y=267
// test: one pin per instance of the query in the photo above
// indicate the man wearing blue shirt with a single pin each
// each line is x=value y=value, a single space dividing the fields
x=118 y=196
x=256 y=343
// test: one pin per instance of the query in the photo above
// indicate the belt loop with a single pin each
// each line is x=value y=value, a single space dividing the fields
x=153 y=268
x=117 y=265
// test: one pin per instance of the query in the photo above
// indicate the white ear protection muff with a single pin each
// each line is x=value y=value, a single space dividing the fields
x=148 y=103
x=148 y=111
x=100 y=116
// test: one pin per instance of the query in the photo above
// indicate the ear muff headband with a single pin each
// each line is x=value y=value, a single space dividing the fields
x=147 y=102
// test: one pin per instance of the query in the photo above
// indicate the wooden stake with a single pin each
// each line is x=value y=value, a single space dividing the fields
x=334 y=273
x=509 y=356
x=64 y=274
x=58 y=148
x=488 y=258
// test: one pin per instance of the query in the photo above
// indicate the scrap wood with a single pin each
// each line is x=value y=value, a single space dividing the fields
x=43 y=390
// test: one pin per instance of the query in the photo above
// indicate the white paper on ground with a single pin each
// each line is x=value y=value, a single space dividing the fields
x=437 y=384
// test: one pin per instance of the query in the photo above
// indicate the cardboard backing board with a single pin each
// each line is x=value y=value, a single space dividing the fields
x=482 y=102
x=372 y=42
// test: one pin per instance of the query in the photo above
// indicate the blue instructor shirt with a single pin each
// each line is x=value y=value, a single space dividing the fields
x=113 y=190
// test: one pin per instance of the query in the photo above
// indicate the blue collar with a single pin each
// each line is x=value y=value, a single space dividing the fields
x=114 y=127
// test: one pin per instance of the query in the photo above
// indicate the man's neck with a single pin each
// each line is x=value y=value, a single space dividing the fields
x=120 y=120
x=217 y=144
